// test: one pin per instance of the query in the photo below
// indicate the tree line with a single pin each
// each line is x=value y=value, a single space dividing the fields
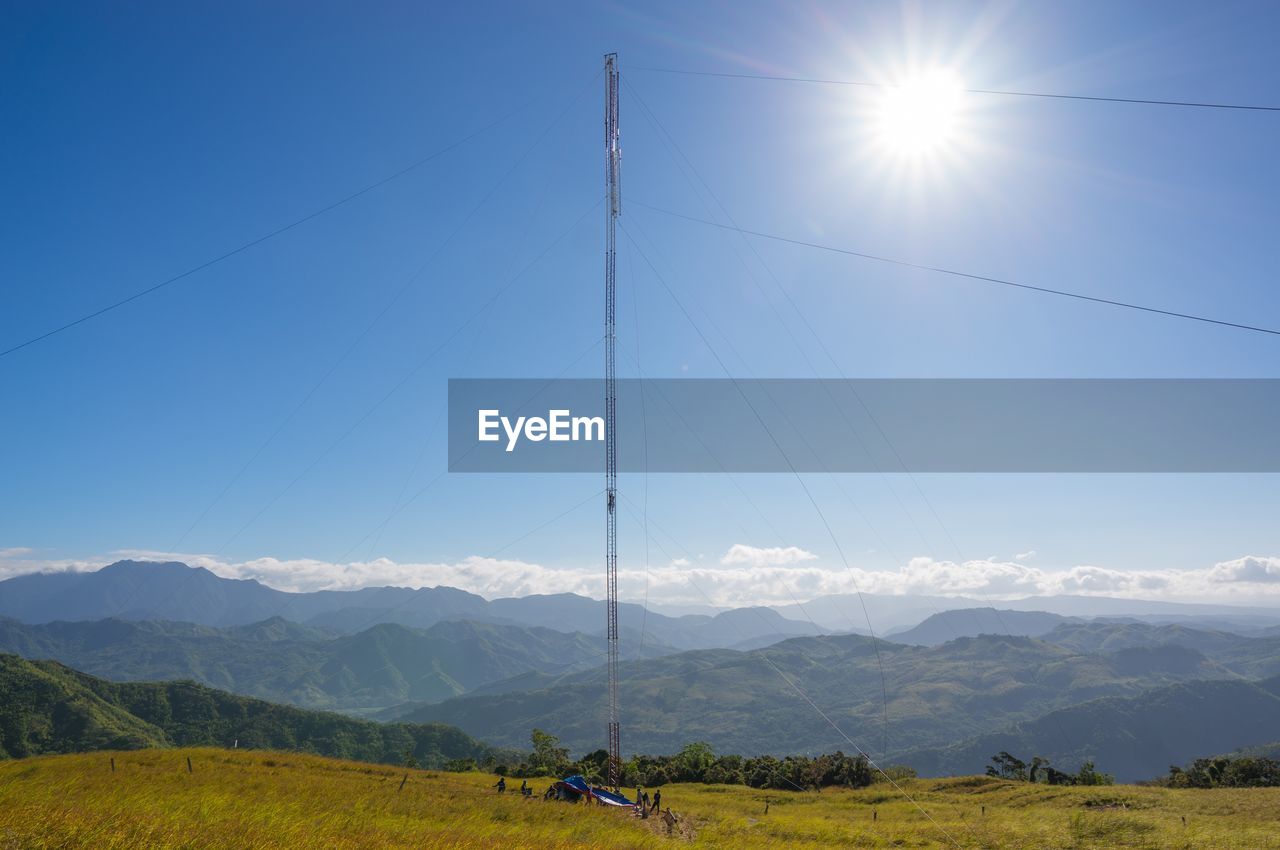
x=696 y=762
x=1225 y=772
x=1006 y=766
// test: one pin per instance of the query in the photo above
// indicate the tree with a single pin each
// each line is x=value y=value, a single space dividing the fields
x=656 y=777
x=727 y=770
x=763 y=772
x=549 y=758
x=1090 y=776
x=1226 y=772
x=460 y=765
x=692 y=762
x=1006 y=766
x=1056 y=777
x=855 y=771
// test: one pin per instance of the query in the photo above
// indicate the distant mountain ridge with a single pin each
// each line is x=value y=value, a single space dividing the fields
x=172 y=591
x=285 y=662
x=498 y=668
x=895 y=612
x=142 y=590
x=51 y=708
x=939 y=628
x=1132 y=737
x=737 y=701
x=1254 y=657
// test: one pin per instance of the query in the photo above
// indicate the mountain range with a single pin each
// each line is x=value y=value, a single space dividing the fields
x=140 y=590
x=1129 y=689
x=764 y=700
x=50 y=708
x=285 y=662
x=937 y=629
x=1131 y=737
x=136 y=590
x=891 y=613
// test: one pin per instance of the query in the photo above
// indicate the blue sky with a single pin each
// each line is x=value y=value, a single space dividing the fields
x=142 y=140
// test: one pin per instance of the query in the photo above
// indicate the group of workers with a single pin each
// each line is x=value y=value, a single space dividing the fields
x=642 y=800
x=643 y=809
x=642 y=804
x=525 y=790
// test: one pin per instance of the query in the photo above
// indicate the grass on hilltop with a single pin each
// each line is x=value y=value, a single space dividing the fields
x=252 y=800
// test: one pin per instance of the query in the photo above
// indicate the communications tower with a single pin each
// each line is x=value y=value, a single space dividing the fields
x=613 y=207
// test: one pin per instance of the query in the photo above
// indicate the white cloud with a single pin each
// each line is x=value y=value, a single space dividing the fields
x=1022 y=556
x=740 y=553
x=1250 y=568
x=744 y=576
x=489 y=577
x=17 y=560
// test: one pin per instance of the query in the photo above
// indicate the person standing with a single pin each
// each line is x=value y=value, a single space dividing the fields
x=501 y=784
x=657 y=800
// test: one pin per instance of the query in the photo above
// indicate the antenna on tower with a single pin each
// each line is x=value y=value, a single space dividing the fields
x=613 y=207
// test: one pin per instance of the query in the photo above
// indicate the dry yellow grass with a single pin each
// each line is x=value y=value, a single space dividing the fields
x=258 y=800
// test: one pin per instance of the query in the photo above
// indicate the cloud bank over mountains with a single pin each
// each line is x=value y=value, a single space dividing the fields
x=743 y=575
x=741 y=553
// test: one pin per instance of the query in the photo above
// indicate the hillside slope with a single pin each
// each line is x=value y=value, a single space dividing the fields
x=272 y=801
x=739 y=703
x=44 y=709
x=970 y=622
x=49 y=708
x=284 y=662
x=1133 y=738
x=1255 y=657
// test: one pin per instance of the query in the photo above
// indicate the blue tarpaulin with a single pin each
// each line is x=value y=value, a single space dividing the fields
x=579 y=784
x=611 y=799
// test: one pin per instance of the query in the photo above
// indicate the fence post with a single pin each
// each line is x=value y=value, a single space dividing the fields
x=113 y=764
x=402 y=782
x=189 y=770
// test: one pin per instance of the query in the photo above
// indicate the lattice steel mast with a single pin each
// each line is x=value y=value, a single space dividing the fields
x=613 y=207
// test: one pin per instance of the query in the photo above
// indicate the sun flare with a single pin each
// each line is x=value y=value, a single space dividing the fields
x=920 y=115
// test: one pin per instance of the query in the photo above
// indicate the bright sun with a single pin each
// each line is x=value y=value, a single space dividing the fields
x=918 y=117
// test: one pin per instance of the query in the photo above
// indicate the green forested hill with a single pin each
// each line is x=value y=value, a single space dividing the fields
x=1110 y=636
x=1255 y=657
x=948 y=625
x=1134 y=737
x=738 y=702
x=284 y=662
x=1269 y=750
x=46 y=707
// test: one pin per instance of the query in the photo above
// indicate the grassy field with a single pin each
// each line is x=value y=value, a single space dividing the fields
x=252 y=800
